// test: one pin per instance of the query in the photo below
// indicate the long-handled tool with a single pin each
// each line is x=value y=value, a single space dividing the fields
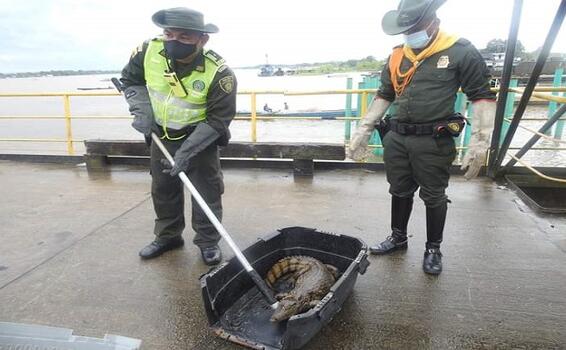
x=256 y=278
x=260 y=283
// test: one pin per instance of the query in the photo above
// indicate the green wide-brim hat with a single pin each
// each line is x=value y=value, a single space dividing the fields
x=183 y=18
x=409 y=14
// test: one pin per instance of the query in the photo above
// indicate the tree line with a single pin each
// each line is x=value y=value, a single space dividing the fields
x=369 y=63
x=50 y=73
x=499 y=45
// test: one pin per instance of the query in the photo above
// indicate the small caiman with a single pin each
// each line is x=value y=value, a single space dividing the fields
x=312 y=281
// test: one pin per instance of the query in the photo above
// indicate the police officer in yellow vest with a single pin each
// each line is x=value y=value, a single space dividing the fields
x=187 y=96
x=420 y=82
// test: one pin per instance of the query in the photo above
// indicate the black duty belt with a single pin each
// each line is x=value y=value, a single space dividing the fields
x=411 y=129
x=158 y=129
x=453 y=125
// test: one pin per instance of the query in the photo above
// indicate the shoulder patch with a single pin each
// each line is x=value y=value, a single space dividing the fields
x=216 y=58
x=222 y=68
x=227 y=84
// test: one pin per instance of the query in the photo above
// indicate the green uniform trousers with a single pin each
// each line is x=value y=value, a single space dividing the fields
x=168 y=197
x=413 y=161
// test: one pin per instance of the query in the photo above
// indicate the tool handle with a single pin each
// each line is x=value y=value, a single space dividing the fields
x=214 y=220
x=263 y=288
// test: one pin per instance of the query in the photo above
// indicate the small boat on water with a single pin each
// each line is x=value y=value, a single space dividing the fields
x=268 y=70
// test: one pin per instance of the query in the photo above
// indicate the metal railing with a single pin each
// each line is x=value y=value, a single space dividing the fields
x=253 y=117
x=363 y=101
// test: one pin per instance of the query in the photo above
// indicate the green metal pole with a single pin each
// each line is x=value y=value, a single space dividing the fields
x=348 y=110
x=559 y=128
x=509 y=106
x=552 y=106
x=459 y=107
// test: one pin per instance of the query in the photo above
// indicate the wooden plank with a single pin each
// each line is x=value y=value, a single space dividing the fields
x=116 y=148
x=284 y=150
x=325 y=151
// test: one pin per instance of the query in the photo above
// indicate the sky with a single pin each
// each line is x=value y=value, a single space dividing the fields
x=100 y=34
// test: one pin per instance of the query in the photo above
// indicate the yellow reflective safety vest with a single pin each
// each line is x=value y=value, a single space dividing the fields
x=169 y=110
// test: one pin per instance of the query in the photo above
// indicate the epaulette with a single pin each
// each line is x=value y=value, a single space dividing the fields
x=141 y=47
x=463 y=42
x=216 y=58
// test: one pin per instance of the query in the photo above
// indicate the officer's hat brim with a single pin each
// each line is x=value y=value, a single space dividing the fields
x=182 y=20
x=390 y=21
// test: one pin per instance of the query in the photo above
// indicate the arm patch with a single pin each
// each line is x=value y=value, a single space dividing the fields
x=227 y=84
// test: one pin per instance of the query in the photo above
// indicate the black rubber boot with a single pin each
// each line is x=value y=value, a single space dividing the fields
x=211 y=255
x=435 y=220
x=400 y=213
x=432 y=262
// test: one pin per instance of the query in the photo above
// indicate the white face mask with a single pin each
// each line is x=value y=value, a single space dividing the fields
x=419 y=39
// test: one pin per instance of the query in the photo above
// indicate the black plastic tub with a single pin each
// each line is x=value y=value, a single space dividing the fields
x=236 y=310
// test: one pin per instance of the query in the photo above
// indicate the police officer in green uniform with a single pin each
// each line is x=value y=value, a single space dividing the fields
x=187 y=96
x=419 y=83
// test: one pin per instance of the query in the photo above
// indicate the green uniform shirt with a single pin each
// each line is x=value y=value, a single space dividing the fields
x=432 y=92
x=221 y=98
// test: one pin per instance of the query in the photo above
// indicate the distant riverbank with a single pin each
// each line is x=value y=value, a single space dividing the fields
x=56 y=73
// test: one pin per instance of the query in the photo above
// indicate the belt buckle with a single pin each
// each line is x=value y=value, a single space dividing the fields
x=410 y=129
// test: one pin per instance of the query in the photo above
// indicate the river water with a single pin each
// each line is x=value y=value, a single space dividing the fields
x=267 y=131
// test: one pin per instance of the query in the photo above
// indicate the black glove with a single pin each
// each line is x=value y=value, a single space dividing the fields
x=202 y=137
x=166 y=166
x=140 y=106
x=147 y=139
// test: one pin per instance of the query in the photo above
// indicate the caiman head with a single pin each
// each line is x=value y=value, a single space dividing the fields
x=288 y=306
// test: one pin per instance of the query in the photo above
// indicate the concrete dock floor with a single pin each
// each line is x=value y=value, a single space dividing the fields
x=69 y=244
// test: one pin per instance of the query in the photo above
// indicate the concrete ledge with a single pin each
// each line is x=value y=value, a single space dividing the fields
x=43 y=158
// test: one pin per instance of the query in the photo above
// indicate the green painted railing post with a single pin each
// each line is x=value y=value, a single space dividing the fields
x=559 y=126
x=553 y=105
x=459 y=107
x=348 y=110
x=509 y=107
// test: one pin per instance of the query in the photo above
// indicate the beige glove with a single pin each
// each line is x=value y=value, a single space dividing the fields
x=358 y=148
x=482 y=127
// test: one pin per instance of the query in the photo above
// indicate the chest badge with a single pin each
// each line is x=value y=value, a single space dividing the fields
x=198 y=85
x=443 y=62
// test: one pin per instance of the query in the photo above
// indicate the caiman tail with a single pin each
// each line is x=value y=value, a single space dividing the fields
x=311 y=282
x=287 y=265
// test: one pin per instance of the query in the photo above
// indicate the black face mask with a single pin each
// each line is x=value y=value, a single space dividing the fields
x=178 y=50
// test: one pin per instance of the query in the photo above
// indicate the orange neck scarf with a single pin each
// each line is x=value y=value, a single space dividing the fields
x=400 y=80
